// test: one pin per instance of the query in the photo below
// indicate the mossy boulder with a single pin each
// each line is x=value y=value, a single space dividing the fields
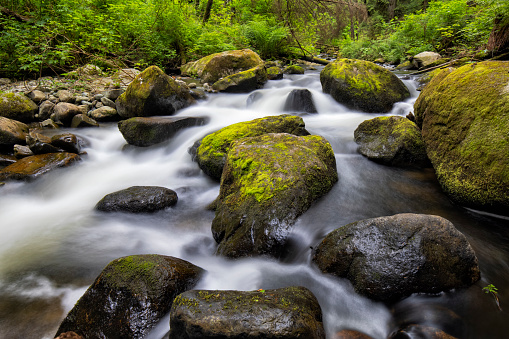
x=291 y=312
x=300 y=101
x=211 y=153
x=389 y=258
x=269 y=181
x=242 y=82
x=464 y=114
x=151 y=93
x=219 y=65
x=130 y=296
x=393 y=141
x=294 y=69
x=274 y=73
x=145 y=132
x=362 y=85
x=138 y=199
x=17 y=106
x=12 y=132
x=34 y=166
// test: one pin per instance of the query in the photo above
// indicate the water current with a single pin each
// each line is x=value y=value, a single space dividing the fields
x=53 y=243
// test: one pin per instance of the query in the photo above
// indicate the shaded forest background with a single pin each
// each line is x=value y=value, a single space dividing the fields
x=55 y=36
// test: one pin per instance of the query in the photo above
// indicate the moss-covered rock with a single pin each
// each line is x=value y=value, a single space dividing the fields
x=362 y=85
x=291 y=312
x=34 y=166
x=274 y=73
x=138 y=199
x=151 y=93
x=17 y=106
x=293 y=69
x=12 y=132
x=464 y=116
x=389 y=258
x=211 y=153
x=268 y=181
x=242 y=82
x=393 y=141
x=130 y=296
x=219 y=65
x=145 y=132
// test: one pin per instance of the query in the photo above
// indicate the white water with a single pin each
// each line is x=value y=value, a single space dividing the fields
x=53 y=244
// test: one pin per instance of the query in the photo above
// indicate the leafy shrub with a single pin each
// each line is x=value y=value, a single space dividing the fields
x=268 y=38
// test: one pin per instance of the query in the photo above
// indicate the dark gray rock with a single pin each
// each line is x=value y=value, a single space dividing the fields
x=138 y=199
x=68 y=142
x=300 y=101
x=45 y=110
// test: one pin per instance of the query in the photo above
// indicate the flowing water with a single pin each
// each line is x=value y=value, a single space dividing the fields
x=53 y=244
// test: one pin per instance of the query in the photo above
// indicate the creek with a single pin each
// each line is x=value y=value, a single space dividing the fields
x=53 y=243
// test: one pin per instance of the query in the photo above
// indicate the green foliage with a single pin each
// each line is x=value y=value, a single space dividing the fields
x=267 y=37
x=491 y=289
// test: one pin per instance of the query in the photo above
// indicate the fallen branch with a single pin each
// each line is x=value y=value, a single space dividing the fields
x=434 y=67
x=315 y=60
x=18 y=17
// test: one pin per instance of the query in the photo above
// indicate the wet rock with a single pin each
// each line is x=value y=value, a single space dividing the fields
x=145 y=132
x=393 y=141
x=45 y=110
x=153 y=93
x=17 y=106
x=463 y=117
x=64 y=112
x=37 y=96
x=362 y=85
x=291 y=312
x=104 y=114
x=389 y=258
x=130 y=296
x=12 y=132
x=300 y=101
x=34 y=166
x=351 y=334
x=267 y=183
x=138 y=199
x=293 y=69
x=420 y=331
x=50 y=124
x=6 y=160
x=242 y=82
x=40 y=145
x=69 y=335
x=82 y=120
x=219 y=65
x=68 y=142
x=212 y=151
x=22 y=151
x=274 y=73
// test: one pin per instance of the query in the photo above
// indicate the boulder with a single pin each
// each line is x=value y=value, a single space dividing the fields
x=108 y=102
x=82 y=120
x=138 y=199
x=293 y=69
x=274 y=73
x=242 y=82
x=291 y=312
x=145 y=132
x=424 y=59
x=151 y=93
x=219 y=65
x=37 y=96
x=300 y=101
x=362 y=85
x=41 y=144
x=267 y=183
x=130 y=296
x=22 y=151
x=17 y=106
x=211 y=153
x=393 y=141
x=464 y=121
x=64 y=95
x=45 y=110
x=68 y=142
x=389 y=258
x=64 y=112
x=104 y=113
x=12 y=132
x=34 y=166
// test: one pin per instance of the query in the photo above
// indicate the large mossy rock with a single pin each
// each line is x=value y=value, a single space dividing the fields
x=268 y=181
x=285 y=313
x=362 y=85
x=145 y=132
x=18 y=107
x=34 y=166
x=219 y=65
x=393 y=141
x=151 y=93
x=130 y=296
x=464 y=117
x=138 y=199
x=12 y=132
x=242 y=82
x=389 y=258
x=212 y=151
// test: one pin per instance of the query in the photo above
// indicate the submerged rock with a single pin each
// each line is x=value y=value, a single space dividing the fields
x=138 y=199
x=145 y=132
x=291 y=312
x=393 y=141
x=212 y=151
x=300 y=101
x=34 y=166
x=17 y=106
x=268 y=181
x=151 y=93
x=389 y=258
x=242 y=82
x=362 y=85
x=130 y=296
x=464 y=119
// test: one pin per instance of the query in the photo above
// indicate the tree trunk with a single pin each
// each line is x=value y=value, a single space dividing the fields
x=499 y=37
x=206 y=15
x=392 y=8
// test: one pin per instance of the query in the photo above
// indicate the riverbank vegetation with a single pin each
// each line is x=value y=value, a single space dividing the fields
x=55 y=36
